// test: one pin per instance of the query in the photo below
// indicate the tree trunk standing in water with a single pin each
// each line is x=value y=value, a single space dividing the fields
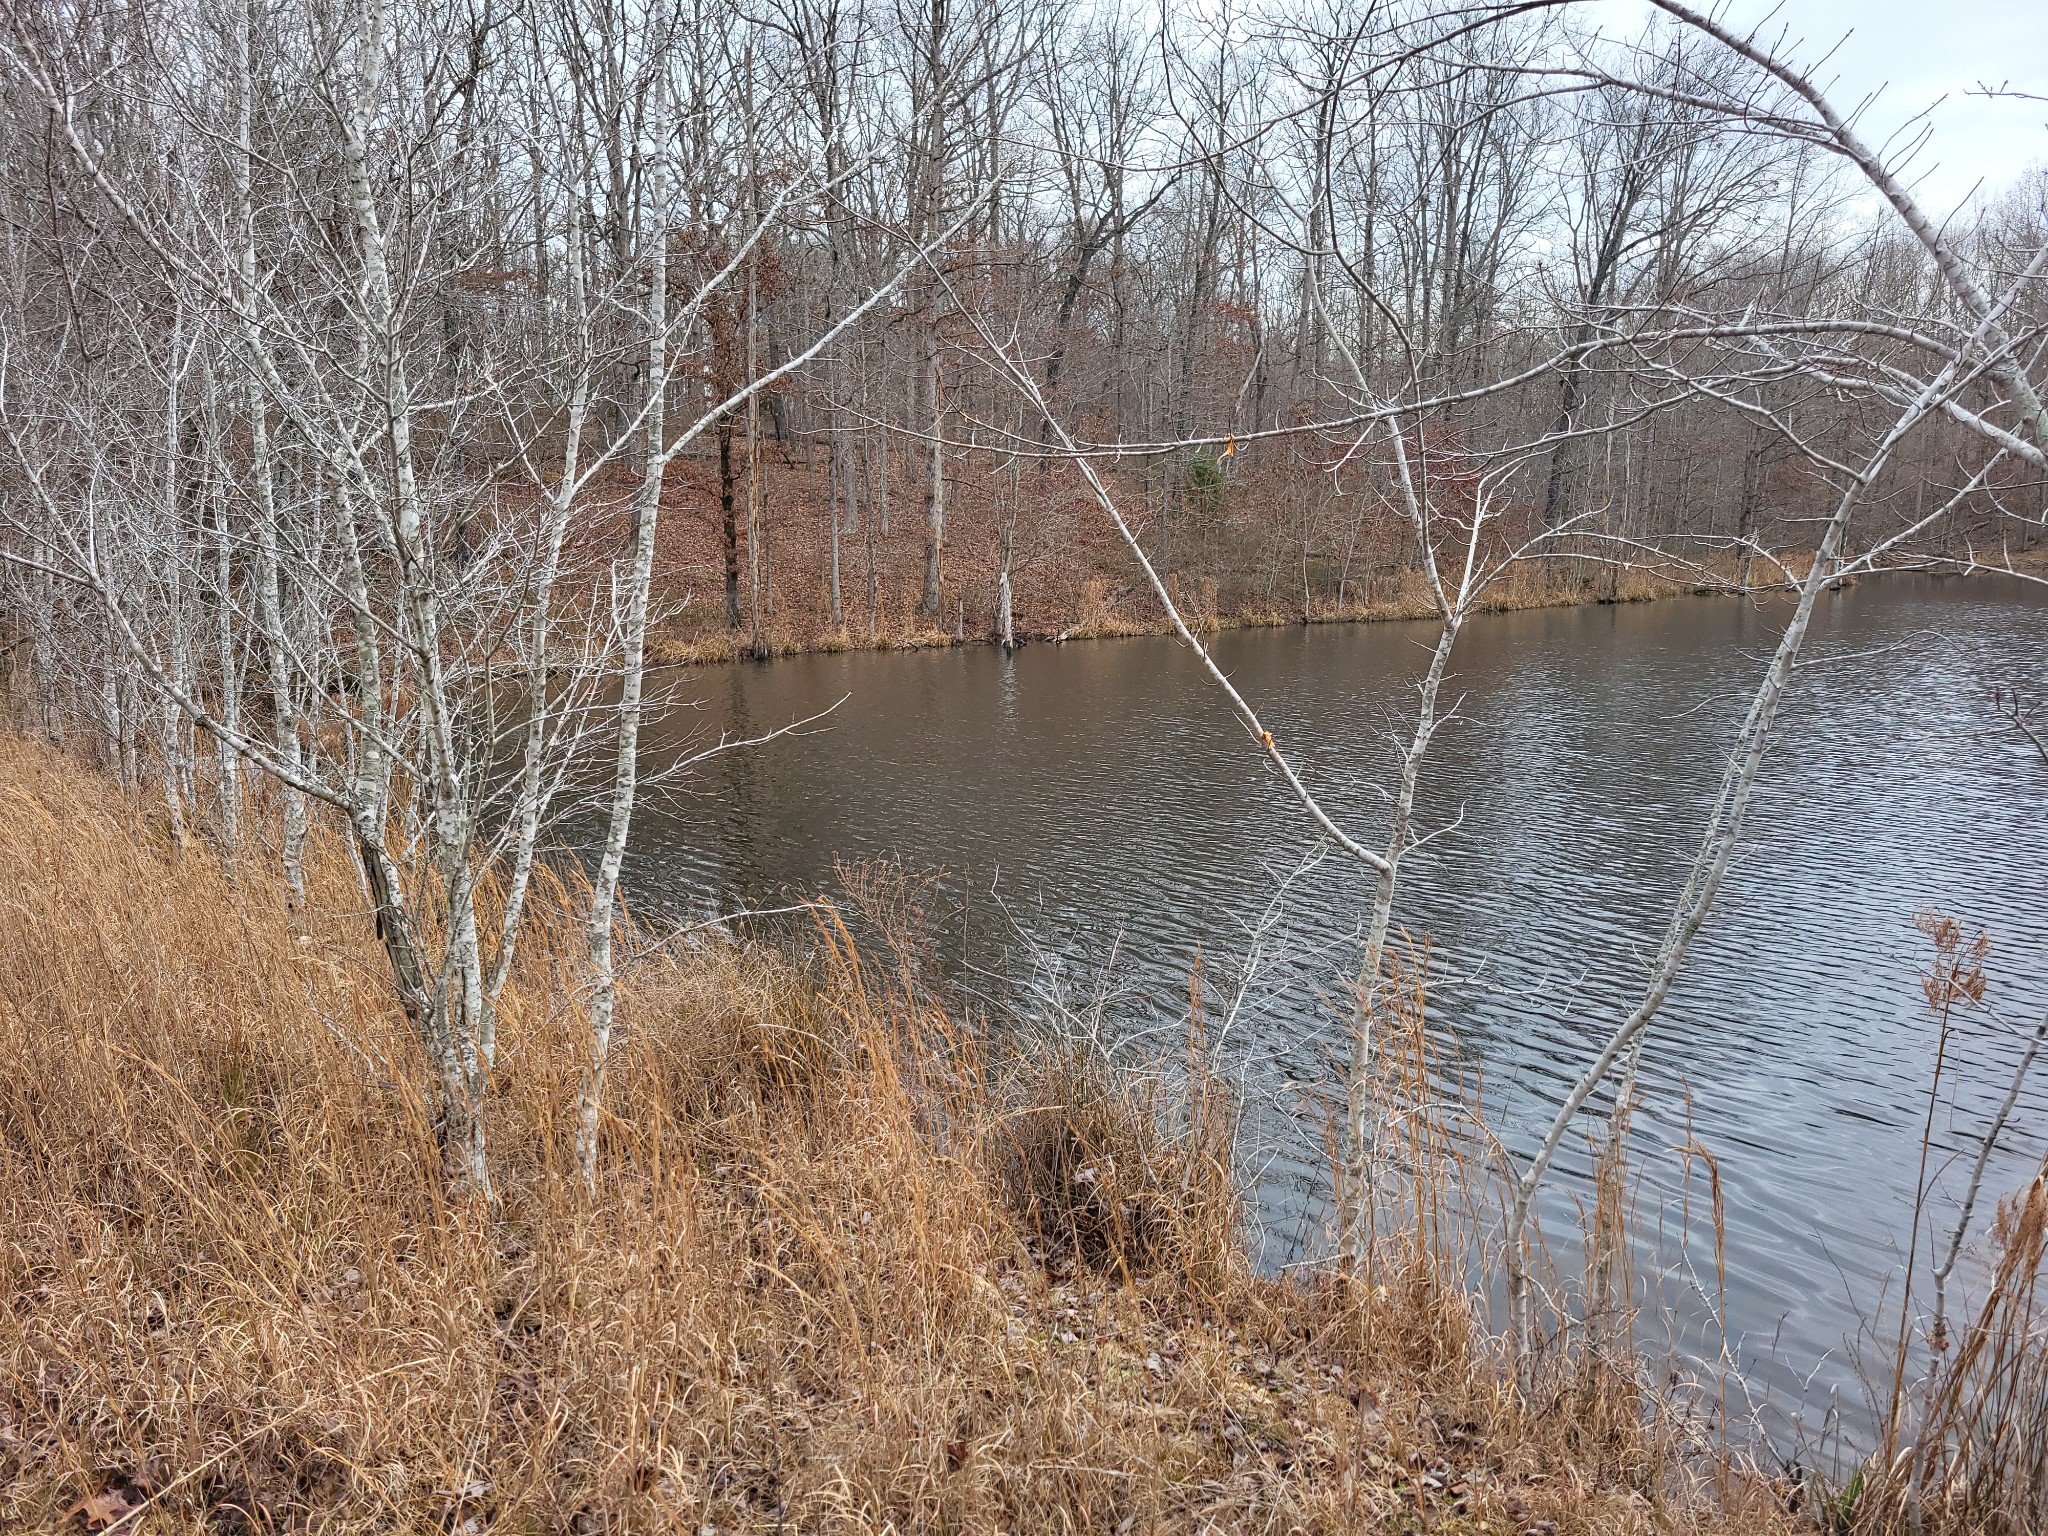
x=1006 y=634
x=1308 y=534
x=1615 y=511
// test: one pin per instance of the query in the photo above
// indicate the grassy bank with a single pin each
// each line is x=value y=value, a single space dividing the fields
x=1101 y=609
x=854 y=1265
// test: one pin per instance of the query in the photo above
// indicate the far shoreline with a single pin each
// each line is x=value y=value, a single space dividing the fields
x=730 y=646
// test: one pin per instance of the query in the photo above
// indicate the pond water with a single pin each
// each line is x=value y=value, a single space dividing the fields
x=1095 y=808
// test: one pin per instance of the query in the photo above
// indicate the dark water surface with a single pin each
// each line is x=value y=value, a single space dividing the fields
x=1105 y=794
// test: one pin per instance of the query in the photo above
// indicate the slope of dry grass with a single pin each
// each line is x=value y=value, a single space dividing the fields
x=854 y=1266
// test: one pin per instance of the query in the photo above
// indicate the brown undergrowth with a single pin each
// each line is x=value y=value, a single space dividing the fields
x=1073 y=579
x=856 y=1264
x=1105 y=611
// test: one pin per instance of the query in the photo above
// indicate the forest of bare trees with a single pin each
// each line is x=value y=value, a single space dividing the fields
x=380 y=380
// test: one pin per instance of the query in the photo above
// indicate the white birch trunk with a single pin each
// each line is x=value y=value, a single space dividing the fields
x=625 y=769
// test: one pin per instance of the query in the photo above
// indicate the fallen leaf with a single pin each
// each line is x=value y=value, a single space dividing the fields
x=103 y=1510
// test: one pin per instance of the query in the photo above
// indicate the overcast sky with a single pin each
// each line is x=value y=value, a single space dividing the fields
x=1917 y=52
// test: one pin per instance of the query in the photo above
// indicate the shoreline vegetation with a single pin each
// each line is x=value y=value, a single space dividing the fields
x=1101 y=613
x=857 y=1261
x=1404 y=599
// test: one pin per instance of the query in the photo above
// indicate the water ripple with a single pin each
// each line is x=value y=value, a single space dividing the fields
x=1105 y=792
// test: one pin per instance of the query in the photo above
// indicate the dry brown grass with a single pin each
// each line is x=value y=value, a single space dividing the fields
x=1963 y=1450
x=854 y=1266
x=1980 y=1436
